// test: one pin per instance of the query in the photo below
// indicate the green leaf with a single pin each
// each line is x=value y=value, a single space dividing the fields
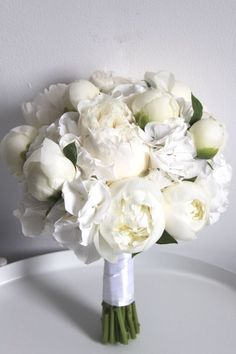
x=147 y=83
x=193 y=179
x=197 y=110
x=135 y=254
x=53 y=200
x=70 y=152
x=166 y=238
x=210 y=165
x=141 y=119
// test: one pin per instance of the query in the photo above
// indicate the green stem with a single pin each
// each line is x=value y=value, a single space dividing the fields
x=105 y=327
x=124 y=336
x=135 y=317
x=112 y=326
x=131 y=322
x=119 y=324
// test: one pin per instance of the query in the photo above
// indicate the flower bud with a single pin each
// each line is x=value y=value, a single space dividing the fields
x=46 y=170
x=209 y=136
x=181 y=90
x=82 y=90
x=14 y=146
x=151 y=106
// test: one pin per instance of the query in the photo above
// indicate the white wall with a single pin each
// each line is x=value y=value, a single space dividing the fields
x=47 y=41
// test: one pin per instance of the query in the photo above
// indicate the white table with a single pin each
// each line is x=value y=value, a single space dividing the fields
x=51 y=304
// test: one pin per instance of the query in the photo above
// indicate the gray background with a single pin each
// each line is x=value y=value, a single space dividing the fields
x=45 y=42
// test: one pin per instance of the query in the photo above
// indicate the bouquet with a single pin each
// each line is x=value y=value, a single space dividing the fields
x=110 y=167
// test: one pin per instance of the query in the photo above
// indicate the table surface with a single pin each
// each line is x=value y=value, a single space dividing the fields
x=51 y=304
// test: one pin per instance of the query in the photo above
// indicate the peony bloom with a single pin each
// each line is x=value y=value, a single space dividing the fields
x=46 y=170
x=110 y=140
x=215 y=180
x=186 y=209
x=134 y=221
x=106 y=81
x=14 y=146
x=48 y=106
x=81 y=90
x=165 y=82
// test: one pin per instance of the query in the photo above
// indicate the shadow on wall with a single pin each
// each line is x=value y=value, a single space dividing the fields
x=13 y=245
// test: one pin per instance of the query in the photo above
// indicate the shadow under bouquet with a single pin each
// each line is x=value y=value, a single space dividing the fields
x=110 y=167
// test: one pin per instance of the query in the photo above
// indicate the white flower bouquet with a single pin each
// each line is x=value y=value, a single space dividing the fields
x=110 y=167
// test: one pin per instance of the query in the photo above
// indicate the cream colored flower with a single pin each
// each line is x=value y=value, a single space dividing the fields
x=82 y=90
x=186 y=209
x=111 y=140
x=46 y=170
x=14 y=146
x=154 y=106
x=48 y=106
x=134 y=221
x=209 y=136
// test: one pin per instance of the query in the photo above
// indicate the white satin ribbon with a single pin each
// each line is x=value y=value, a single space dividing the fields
x=118 y=281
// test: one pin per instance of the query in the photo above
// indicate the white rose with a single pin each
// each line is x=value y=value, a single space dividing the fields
x=82 y=90
x=215 y=180
x=186 y=210
x=134 y=221
x=46 y=170
x=209 y=137
x=48 y=106
x=14 y=146
x=154 y=106
x=109 y=138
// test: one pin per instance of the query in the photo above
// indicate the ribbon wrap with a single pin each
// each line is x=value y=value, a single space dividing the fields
x=118 y=281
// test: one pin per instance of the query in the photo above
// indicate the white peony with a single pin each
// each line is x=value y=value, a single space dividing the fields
x=209 y=137
x=82 y=90
x=134 y=221
x=186 y=209
x=154 y=106
x=215 y=179
x=128 y=92
x=48 y=106
x=111 y=140
x=46 y=170
x=165 y=82
x=173 y=150
x=106 y=81
x=63 y=131
x=14 y=146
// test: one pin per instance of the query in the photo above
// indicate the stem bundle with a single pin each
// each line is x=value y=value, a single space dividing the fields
x=119 y=324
